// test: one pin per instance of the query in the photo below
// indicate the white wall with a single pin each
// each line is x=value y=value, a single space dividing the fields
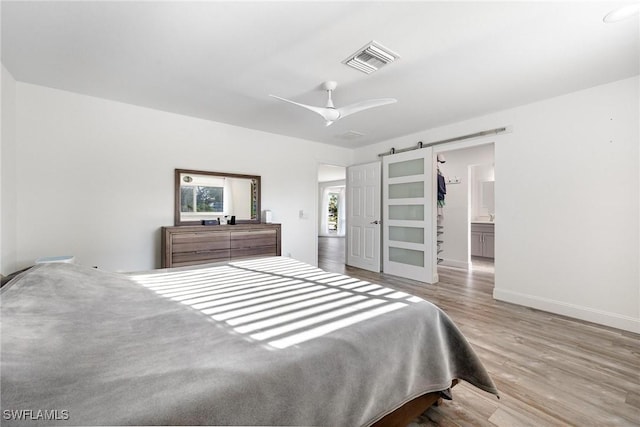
x=8 y=196
x=567 y=194
x=95 y=177
x=456 y=210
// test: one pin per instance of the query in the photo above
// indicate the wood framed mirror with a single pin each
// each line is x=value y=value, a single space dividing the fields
x=201 y=195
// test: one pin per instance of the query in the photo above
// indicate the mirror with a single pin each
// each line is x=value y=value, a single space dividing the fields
x=203 y=195
x=488 y=196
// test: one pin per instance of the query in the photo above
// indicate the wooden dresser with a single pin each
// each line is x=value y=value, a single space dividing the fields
x=201 y=244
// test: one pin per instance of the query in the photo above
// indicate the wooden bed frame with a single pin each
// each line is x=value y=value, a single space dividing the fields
x=411 y=410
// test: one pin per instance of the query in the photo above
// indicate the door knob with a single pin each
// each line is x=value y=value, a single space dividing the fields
x=376 y=222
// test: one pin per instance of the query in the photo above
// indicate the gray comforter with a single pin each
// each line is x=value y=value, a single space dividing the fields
x=258 y=342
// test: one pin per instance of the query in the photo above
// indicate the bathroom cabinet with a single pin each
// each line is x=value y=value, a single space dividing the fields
x=482 y=239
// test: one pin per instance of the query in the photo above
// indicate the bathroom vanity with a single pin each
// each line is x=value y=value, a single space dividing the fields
x=482 y=239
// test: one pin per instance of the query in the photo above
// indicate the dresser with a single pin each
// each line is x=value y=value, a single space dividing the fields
x=201 y=244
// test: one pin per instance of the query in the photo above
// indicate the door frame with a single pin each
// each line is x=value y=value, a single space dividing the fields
x=461 y=145
x=317 y=203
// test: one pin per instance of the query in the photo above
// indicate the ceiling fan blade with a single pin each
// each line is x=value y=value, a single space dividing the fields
x=364 y=105
x=324 y=112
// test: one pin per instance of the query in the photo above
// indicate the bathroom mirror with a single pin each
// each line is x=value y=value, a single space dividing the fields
x=487 y=196
x=201 y=195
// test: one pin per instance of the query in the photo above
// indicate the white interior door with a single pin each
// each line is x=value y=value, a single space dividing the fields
x=363 y=216
x=409 y=211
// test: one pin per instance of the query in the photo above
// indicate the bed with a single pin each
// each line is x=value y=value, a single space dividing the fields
x=268 y=341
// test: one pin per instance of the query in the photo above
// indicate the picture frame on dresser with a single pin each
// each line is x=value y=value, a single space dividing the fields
x=210 y=196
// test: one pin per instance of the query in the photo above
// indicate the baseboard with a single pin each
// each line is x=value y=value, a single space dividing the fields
x=455 y=263
x=600 y=317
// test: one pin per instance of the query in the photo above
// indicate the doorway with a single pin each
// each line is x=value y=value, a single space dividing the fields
x=469 y=214
x=406 y=220
x=332 y=215
x=331 y=212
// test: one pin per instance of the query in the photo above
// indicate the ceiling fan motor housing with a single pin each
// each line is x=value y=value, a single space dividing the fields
x=329 y=85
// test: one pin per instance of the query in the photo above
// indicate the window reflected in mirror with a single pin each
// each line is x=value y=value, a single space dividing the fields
x=204 y=195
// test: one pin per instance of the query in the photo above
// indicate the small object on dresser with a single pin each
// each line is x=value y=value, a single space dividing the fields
x=209 y=222
x=232 y=221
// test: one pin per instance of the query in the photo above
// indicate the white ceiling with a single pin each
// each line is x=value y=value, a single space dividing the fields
x=220 y=60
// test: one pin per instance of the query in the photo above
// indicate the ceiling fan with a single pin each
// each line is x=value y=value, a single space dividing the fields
x=331 y=114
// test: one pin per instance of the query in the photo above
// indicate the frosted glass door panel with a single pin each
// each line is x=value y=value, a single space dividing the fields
x=406 y=190
x=407 y=212
x=409 y=209
x=406 y=168
x=406 y=234
x=406 y=256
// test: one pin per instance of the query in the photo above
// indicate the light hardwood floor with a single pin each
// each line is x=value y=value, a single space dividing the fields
x=550 y=370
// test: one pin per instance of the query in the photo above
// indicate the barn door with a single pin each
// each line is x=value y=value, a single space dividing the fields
x=409 y=215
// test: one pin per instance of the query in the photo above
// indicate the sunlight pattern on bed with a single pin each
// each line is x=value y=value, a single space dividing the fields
x=279 y=301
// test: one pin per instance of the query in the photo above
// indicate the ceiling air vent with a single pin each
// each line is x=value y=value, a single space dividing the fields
x=350 y=135
x=370 y=58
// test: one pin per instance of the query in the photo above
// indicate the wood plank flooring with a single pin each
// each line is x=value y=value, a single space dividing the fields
x=550 y=370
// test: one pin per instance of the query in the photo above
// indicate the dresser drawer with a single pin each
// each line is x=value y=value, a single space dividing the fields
x=196 y=242
x=201 y=257
x=254 y=243
x=259 y=251
x=251 y=239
